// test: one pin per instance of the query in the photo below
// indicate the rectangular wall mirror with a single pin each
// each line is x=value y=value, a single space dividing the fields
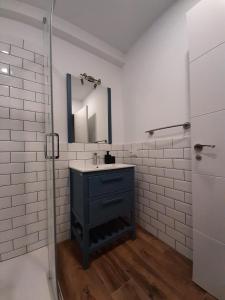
x=88 y=110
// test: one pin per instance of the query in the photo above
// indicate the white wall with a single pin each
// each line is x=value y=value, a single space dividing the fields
x=68 y=58
x=154 y=79
x=156 y=75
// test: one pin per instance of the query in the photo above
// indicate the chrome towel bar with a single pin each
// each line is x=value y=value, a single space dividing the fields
x=186 y=125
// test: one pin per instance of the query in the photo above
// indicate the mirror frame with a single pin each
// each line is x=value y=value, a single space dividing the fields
x=70 y=115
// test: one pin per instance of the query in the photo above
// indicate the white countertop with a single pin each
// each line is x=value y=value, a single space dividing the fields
x=96 y=168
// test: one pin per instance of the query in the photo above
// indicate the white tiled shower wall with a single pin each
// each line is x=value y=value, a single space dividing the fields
x=163 y=177
x=23 y=203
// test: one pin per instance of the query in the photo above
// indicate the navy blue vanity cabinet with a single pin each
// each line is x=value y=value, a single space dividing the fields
x=102 y=208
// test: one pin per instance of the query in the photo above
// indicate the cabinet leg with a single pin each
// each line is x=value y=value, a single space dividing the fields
x=133 y=234
x=72 y=235
x=85 y=261
x=132 y=219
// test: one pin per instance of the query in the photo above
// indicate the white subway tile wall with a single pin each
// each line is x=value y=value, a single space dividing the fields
x=23 y=206
x=163 y=185
x=163 y=190
x=163 y=178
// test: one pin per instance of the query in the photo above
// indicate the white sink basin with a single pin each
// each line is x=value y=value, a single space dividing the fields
x=76 y=165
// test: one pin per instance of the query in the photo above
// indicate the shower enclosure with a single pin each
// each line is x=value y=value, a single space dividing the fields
x=28 y=149
x=51 y=147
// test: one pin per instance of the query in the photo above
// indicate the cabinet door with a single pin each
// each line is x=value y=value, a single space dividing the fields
x=209 y=129
x=207 y=76
x=209 y=203
x=206 y=23
x=110 y=182
x=207 y=79
x=209 y=206
x=110 y=207
x=209 y=265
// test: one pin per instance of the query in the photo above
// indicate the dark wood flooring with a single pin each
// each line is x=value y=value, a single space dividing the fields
x=133 y=270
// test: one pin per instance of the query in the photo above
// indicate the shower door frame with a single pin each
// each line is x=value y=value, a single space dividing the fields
x=50 y=150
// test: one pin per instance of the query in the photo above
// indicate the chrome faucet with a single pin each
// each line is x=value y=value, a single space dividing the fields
x=95 y=159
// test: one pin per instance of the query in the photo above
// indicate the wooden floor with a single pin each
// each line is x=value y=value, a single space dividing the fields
x=133 y=270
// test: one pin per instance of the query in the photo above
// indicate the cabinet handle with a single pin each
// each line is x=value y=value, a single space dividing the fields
x=108 y=202
x=105 y=180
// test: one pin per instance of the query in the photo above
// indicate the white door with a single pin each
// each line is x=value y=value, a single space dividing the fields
x=207 y=91
x=81 y=125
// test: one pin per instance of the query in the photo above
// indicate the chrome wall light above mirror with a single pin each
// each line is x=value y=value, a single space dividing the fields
x=88 y=110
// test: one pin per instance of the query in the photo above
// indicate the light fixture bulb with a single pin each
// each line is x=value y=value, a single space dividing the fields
x=4 y=70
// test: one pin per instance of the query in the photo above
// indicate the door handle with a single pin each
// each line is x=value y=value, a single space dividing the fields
x=199 y=147
x=57 y=136
x=46 y=145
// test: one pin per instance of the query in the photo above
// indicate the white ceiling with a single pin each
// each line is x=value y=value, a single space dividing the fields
x=117 y=22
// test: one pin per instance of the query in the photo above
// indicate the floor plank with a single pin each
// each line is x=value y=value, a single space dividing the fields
x=130 y=290
x=142 y=269
x=110 y=272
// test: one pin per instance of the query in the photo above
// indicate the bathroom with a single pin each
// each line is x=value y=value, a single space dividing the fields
x=111 y=149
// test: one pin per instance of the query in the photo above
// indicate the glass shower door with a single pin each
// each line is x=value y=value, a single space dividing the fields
x=51 y=146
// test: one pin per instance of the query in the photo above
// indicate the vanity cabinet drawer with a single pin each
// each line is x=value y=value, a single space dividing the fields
x=108 y=208
x=108 y=183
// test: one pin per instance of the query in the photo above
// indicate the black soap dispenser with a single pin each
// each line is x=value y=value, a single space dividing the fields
x=108 y=158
